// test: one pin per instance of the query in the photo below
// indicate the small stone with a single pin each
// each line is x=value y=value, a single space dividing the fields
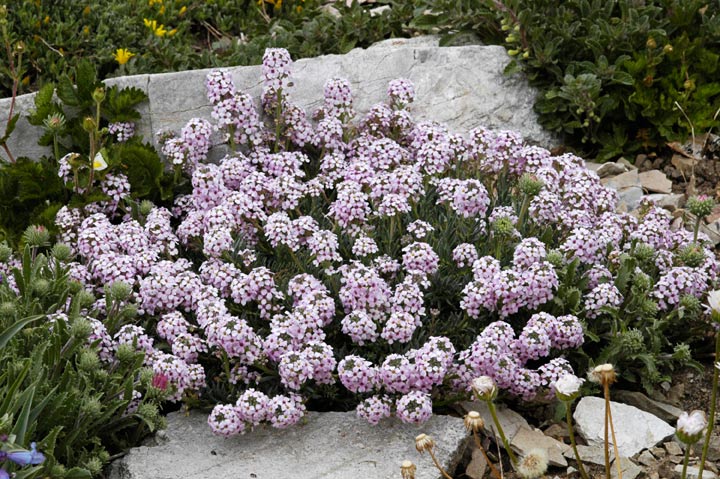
x=629 y=198
x=654 y=475
x=666 y=412
x=570 y=470
x=611 y=169
x=625 y=180
x=673 y=448
x=714 y=449
x=527 y=439
x=693 y=472
x=675 y=459
x=670 y=202
x=626 y=162
x=477 y=466
x=683 y=164
x=658 y=452
x=629 y=469
x=647 y=459
x=655 y=181
x=557 y=431
x=640 y=159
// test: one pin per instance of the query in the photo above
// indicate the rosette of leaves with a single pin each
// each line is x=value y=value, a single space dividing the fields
x=54 y=388
x=31 y=191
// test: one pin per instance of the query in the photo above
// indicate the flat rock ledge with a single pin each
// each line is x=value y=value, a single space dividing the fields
x=463 y=87
x=329 y=445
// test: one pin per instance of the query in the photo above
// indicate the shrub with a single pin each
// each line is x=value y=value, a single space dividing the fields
x=90 y=121
x=381 y=263
x=159 y=36
x=609 y=73
x=68 y=381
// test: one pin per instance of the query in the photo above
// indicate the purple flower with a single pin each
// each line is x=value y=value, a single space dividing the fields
x=23 y=458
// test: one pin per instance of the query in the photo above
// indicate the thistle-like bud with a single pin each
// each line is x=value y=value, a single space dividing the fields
x=61 y=252
x=5 y=253
x=530 y=184
x=149 y=412
x=485 y=388
x=94 y=466
x=474 y=422
x=91 y=407
x=19 y=48
x=126 y=353
x=700 y=206
x=407 y=470
x=58 y=470
x=81 y=329
x=54 y=122
x=7 y=309
x=3 y=11
x=85 y=298
x=667 y=49
x=146 y=207
x=40 y=286
x=644 y=252
x=692 y=255
x=99 y=94
x=651 y=43
x=36 y=236
x=75 y=286
x=423 y=443
x=118 y=290
x=503 y=226
x=690 y=303
x=88 y=360
x=146 y=376
x=129 y=311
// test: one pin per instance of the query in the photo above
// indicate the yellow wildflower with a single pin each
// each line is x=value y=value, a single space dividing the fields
x=86 y=30
x=26 y=80
x=153 y=2
x=162 y=10
x=158 y=29
x=172 y=32
x=86 y=10
x=147 y=22
x=123 y=55
x=182 y=10
x=47 y=19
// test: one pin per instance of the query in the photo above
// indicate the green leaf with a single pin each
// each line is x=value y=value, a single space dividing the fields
x=11 y=331
x=77 y=473
x=23 y=420
x=9 y=128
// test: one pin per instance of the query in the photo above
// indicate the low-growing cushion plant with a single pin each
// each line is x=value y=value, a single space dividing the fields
x=370 y=261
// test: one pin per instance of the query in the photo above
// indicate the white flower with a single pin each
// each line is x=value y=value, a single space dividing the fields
x=713 y=300
x=484 y=386
x=693 y=424
x=99 y=162
x=568 y=384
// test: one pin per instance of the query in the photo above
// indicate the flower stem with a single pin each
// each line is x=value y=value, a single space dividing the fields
x=685 y=462
x=505 y=442
x=581 y=468
x=713 y=403
x=437 y=464
x=608 y=420
x=493 y=470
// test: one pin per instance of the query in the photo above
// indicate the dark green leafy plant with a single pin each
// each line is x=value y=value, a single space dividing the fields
x=57 y=386
x=609 y=73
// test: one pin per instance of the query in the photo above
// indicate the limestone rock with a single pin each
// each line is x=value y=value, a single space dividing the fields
x=590 y=454
x=655 y=181
x=666 y=412
x=328 y=445
x=527 y=439
x=463 y=87
x=670 y=202
x=477 y=466
x=629 y=198
x=611 y=169
x=635 y=429
x=647 y=459
x=624 y=180
x=673 y=448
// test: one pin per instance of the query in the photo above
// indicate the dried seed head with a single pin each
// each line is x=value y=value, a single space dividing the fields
x=423 y=443
x=603 y=374
x=407 y=470
x=474 y=422
x=534 y=464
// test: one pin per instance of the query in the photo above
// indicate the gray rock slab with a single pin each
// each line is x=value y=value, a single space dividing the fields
x=510 y=421
x=655 y=181
x=526 y=439
x=611 y=169
x=590 y=454
x=623 y=180
x=629 y=198
x=635 y=429
x=329 y=445
x=462 y=86
x=664 y=411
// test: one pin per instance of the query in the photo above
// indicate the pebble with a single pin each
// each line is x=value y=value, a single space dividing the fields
x=693 y=471
x=673 y=448
x=647 y=459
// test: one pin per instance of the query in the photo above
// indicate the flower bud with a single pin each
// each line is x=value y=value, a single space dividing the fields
x=503 y=226
x=36 y=236
x=75 y=287
x=54 y=122
x=530 y=185
x=689 y=85
x=88 y=360
x=146 y=207
x=126 y=353
x=85 y=298
x=61 y=252
x=91 y=407
x=7 y=309
x=651 y=43
x=40 y=286
x=700 y=206
x=118 y=290
x=94 y=466
x=3 y=11
x=691 y=426
x=485 y=388
x=89 y=124
x=5 y=253
x=667 y=49
x=99 y=94
x=19 y=48
x=81 y=329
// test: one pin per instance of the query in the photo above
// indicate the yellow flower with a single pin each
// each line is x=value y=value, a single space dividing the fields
x=162 y=10
x=158 y=30
x=46 y=20
x=172 y=32
x=86 y=10
x=182 y=10
x=123 y=55
x=153 y=2
x=147 y=22
x=86 y=30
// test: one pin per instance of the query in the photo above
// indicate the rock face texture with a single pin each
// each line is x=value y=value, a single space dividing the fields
x=329 y=445
x=635 y=429
x=463 y=87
